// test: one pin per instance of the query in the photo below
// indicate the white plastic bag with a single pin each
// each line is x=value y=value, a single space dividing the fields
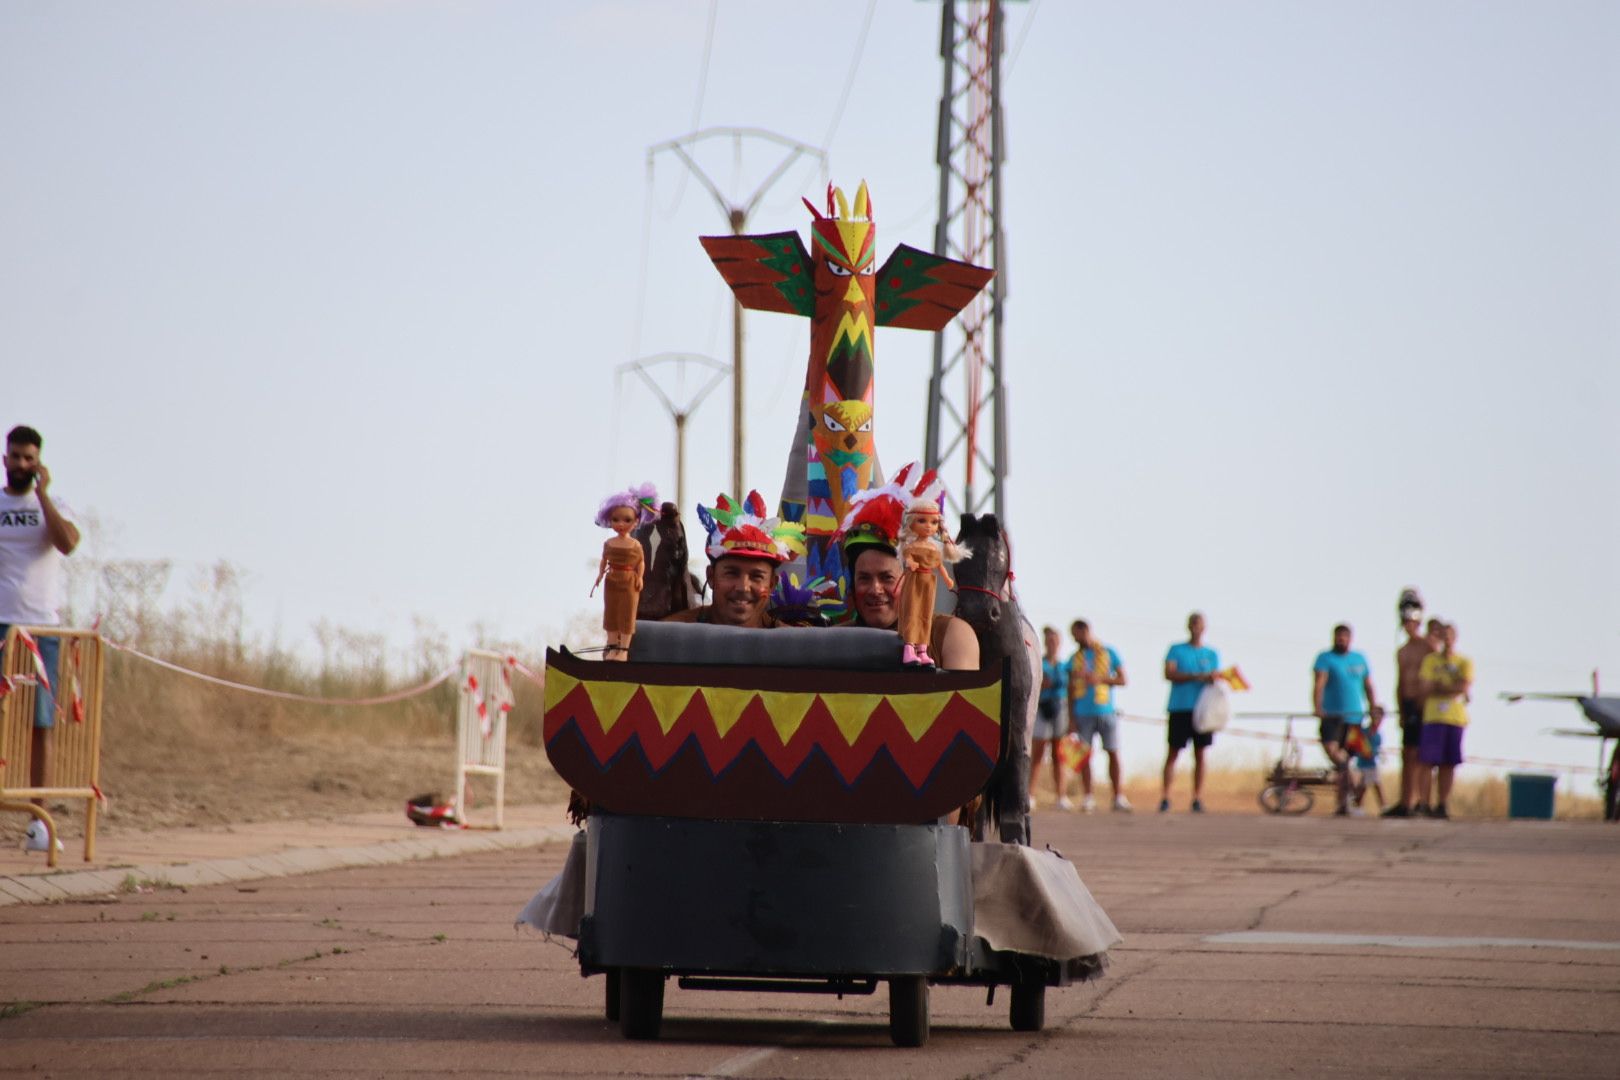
x=1213 y=710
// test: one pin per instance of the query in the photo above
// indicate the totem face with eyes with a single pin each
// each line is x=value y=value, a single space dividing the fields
x=843 y=442
x=838 y=387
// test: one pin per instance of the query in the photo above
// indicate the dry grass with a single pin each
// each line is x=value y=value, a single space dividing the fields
x=177 y=752
x=1235 y=788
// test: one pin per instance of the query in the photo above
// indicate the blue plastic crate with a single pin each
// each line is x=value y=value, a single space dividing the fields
x=1530 y=795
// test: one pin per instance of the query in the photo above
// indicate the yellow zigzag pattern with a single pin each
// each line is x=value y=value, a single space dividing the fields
x=855 y=328
x=787 y=710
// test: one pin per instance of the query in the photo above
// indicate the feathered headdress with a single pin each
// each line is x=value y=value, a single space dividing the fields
x=745 y=530
x=643 y=499
x=877 y=515
x=928 y=500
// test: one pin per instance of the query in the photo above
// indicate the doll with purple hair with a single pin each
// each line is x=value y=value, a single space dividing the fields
x=623 y=566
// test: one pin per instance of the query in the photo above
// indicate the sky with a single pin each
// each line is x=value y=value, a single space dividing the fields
x=1305 y=303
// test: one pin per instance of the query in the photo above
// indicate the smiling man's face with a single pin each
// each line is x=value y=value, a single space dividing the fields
x=742 y=587
x=876 y=585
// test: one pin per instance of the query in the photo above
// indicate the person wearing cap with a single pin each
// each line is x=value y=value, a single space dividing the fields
x=1446 y=678
x=1409 y=699
x=871 y=544
x=745 y=548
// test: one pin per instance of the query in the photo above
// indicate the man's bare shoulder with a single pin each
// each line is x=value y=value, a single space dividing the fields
x=954 y=645
x=1416 y=649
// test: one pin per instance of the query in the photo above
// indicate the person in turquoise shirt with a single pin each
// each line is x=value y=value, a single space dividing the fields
x=1342 y=697
x=1189 y=666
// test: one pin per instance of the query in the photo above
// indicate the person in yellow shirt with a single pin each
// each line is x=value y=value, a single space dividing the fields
x=1444 y=679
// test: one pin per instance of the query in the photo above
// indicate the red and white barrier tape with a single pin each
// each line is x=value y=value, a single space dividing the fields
x=1388 y=751
x=503 y=697
x=283 y=695
x=39 y=661
x=525 y=670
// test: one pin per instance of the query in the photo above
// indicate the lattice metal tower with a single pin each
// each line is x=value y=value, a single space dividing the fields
x=968 y=354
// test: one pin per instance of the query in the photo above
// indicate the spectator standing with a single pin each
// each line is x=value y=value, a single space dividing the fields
x=1409 y=699
x=1049 y=725
x=36 y=532
x=1189 y=666
x=1095 y=671
x=1447 y=677
x=1367 y=765
x=1341 y=697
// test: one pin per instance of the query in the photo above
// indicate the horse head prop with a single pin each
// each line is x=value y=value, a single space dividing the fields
x=985 y=601
x=670 y=586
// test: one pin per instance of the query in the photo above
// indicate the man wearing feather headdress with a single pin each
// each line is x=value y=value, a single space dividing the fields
x=744 y=548
x=871 y=534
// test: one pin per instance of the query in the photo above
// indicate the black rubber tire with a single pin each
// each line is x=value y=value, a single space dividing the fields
x=1278 y=799
x=1028 y=1009
x=908 y=1010
x=610 y=1002
x=641 y=1003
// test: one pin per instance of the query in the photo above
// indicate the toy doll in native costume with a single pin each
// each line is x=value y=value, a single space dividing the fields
x=846 y=297
x=903 y=517
x=623 y=566
x=745 y=549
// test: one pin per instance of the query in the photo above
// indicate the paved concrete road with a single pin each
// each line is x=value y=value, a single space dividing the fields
x=1361 y=949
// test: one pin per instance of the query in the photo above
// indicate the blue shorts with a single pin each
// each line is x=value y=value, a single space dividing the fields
x=1104 y=724
x=50 y=650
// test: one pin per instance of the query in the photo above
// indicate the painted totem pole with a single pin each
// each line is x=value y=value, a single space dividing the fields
x=845 y=297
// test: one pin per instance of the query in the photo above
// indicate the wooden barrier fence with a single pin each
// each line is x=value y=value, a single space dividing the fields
x=72 y=745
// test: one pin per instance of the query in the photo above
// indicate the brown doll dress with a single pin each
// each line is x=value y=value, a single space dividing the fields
x=917 y=596
x=622 y=588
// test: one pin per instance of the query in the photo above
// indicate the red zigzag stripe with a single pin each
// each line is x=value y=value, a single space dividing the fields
x=884 y=728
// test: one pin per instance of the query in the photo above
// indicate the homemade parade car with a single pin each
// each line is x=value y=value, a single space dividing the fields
x=768 y=813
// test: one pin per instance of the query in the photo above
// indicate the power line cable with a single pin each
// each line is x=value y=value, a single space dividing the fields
x=702 y=91
x=849 y=79
x=1018 y=46
x=703 y=69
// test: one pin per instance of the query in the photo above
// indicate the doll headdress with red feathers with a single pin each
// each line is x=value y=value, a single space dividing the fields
x=743 y=529
x=877 y=515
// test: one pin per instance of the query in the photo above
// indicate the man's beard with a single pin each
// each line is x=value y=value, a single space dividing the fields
x=19 y=480
x=1341 y=649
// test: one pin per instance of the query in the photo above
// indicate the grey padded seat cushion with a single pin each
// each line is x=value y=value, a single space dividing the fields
x=855 y=648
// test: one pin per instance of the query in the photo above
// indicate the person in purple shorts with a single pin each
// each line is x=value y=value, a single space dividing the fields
x=1445 y=678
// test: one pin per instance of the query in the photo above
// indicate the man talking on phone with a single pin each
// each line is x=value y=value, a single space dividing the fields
x=36 y=532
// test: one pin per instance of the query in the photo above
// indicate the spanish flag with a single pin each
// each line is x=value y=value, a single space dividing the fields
x=1234 y=678
x=1355 y=741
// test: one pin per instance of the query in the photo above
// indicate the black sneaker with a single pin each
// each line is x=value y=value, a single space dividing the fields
x=1439 y=813
x=1396 y=811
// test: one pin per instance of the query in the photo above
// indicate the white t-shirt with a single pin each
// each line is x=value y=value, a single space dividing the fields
x=30 y=566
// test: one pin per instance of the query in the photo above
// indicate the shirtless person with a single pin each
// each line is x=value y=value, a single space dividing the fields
x=744 y=550
x=739 y=590
x=1408 y=659
x=875 y=588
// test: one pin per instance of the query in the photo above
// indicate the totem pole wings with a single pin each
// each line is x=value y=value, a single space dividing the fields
x=845 y=295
